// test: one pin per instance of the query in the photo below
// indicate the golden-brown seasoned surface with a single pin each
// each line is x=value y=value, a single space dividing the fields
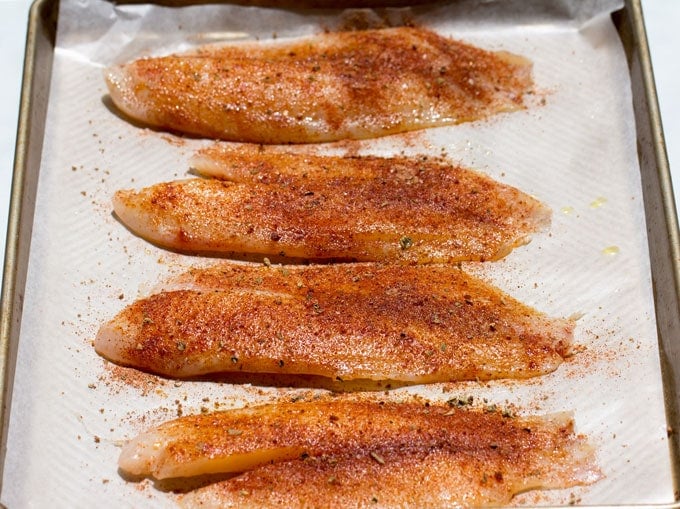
x=414 y=324
x=332 y=452
x=414 y=209
x=358 y=84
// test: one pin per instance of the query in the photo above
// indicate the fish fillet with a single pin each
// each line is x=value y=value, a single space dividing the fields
x=413 y=209
x=414 y=324
x=355 y=85
x=330 y=452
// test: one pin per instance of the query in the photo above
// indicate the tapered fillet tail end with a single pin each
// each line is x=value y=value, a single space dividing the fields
x=573 y=463
x=523 y=67
x=515 y=59
x=522 y=71
x=558 y=333
x=543 y=217
x=585 y=470
x=537 y=220
x=564 y=336
x=580 y=467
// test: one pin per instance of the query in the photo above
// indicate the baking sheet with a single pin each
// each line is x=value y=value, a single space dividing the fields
x=576 y=152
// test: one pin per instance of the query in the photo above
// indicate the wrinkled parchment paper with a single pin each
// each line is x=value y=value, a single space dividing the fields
x=573 y=148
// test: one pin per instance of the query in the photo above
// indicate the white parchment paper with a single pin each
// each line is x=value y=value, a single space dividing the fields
x=573 y=148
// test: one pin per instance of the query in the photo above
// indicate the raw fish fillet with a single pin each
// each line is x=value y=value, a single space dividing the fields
x=355 y=85
x=415 y=324
x=413 y=209
x=352 y=451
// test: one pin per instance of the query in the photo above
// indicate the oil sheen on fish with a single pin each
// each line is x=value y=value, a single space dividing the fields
x=345 y=85
x=415 y=324
x=412 y=209
x=333 y=451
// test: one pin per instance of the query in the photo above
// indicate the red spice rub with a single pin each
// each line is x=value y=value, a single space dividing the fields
x=413 y=209
x=414 y=324
x=343 y=449
x=358 y=84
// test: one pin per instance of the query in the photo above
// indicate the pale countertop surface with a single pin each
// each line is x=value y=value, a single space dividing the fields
x=662 y=18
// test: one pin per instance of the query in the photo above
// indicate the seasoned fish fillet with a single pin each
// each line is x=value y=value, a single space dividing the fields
x=415 y=324
x=331 y=452
x=355 y=85
x=413 y=209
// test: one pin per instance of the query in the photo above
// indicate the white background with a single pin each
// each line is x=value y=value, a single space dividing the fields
x=662 y=18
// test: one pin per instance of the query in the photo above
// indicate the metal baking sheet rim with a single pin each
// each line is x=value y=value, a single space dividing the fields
x=660 y=211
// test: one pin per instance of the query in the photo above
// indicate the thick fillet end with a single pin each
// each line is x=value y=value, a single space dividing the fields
x=206 y=165
x=123 y=202
x=135 y=211
x=111 y=341
x=172 y=451
x=120 y=82
x=142 y=455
